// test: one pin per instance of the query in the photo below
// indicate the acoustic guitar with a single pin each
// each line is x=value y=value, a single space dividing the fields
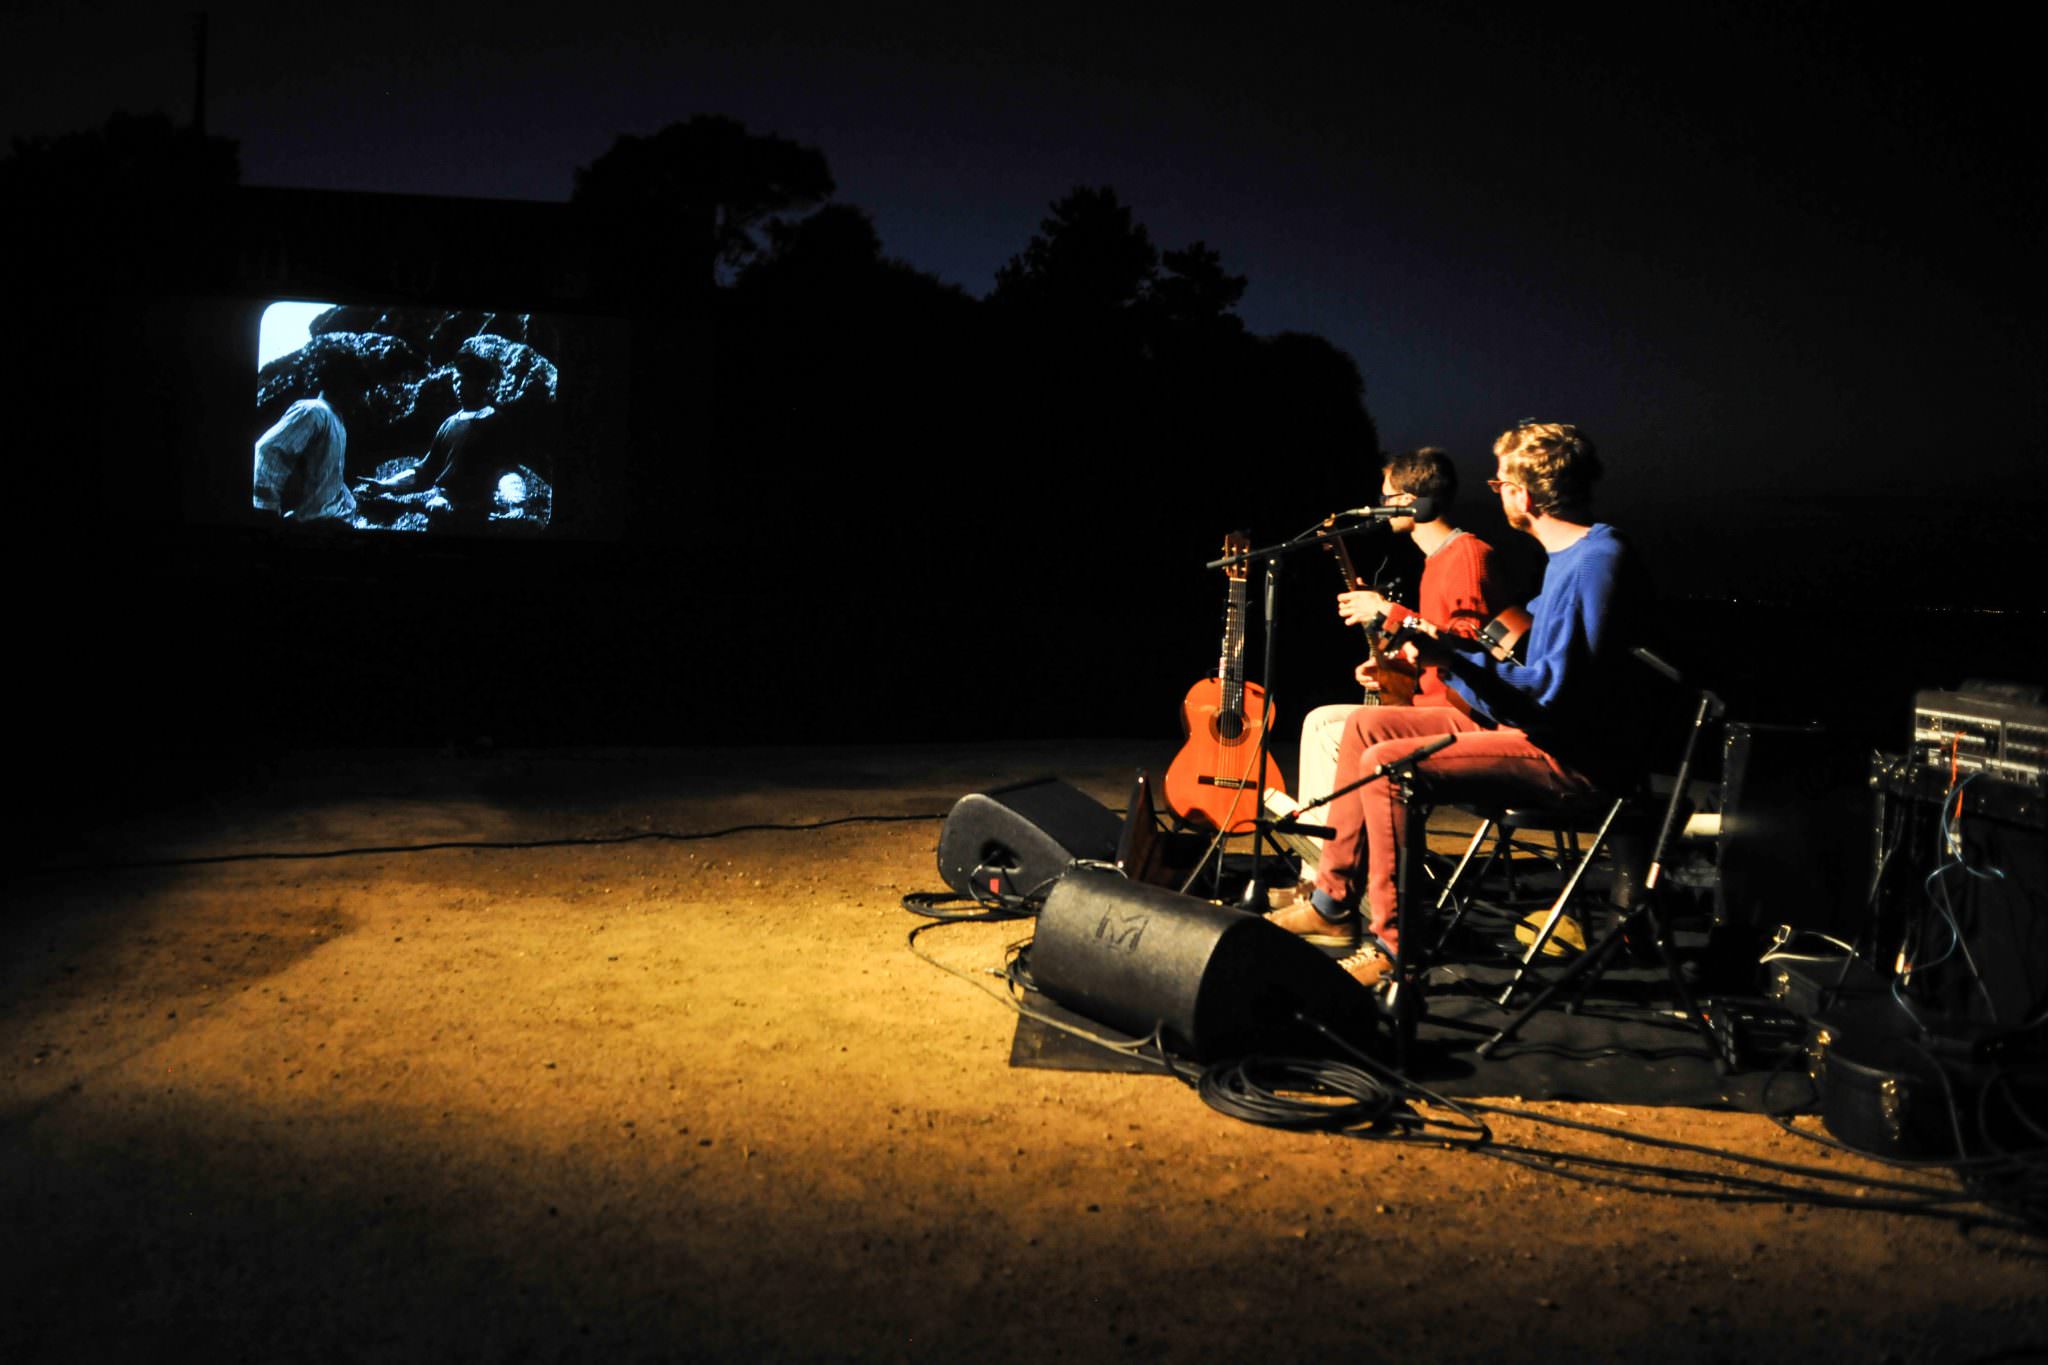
x=1397 y=677
x=1215 y=779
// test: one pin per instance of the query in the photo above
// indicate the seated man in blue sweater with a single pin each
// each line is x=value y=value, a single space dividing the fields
x=1559 y=725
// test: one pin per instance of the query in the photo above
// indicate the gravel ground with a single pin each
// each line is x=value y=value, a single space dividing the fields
x=696 y=1099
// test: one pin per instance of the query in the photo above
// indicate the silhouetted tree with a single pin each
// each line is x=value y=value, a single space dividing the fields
x=686 y=201
x=1196 y=292
x=834 y=258
x=130 y=154
x=1313 y=394
x=137 y=201
x=1092 y=267
x=837 y=242
x=1088 y=256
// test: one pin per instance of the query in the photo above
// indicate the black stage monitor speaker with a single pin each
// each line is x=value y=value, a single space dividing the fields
x=1215 y=982
x=1017 y=840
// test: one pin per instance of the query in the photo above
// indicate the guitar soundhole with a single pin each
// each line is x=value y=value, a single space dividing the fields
x=1230 y=725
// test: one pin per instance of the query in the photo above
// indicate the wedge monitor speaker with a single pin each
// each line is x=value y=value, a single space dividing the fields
x=1214 y=981
x=1015 y=841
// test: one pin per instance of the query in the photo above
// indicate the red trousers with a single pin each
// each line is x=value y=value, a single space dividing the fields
x=1483 y=765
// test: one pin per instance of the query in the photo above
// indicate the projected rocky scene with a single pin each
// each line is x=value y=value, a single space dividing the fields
x=408 y=419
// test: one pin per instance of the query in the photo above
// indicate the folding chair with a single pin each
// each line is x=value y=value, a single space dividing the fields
x=1567 y=821
x=1642 y=911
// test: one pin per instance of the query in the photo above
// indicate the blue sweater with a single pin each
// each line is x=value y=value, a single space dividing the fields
x=1576 y=696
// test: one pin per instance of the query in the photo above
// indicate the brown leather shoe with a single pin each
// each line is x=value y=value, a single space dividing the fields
x=1303 y=920
x=1280 y=897
x=1369 y=967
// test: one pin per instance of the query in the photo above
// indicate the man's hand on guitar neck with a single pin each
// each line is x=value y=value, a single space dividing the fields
x=1367 y=608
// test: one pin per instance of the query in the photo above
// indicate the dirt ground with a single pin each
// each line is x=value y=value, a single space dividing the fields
x=667 y=1099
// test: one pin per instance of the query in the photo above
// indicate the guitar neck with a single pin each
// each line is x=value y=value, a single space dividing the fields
x=1354 y=581
x=1230 y=667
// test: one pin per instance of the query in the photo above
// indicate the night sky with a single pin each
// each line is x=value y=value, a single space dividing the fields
x=1780 y=260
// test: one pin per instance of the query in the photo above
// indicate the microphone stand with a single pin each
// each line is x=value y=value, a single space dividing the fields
x=1266 y=829
x=1262 y=828
x=1404 y=997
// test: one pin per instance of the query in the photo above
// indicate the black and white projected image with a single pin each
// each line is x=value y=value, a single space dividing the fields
x=406 y=419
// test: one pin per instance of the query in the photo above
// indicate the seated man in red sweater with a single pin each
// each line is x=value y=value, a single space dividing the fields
x=1564 y=723
x=1460 y=592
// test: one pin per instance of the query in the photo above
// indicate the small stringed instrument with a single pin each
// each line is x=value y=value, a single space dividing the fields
x=1215 y=780
x=1506 y=634
x=1397 y=678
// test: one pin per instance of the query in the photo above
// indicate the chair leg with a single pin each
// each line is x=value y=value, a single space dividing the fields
x=1504 y=853
x=1450 y=891
x=1564 y=896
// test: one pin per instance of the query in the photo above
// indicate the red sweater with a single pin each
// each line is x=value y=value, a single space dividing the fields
x=1460 y=593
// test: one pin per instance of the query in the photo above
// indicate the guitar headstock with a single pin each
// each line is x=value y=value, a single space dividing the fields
x=1236 y=543
x=1335 y=544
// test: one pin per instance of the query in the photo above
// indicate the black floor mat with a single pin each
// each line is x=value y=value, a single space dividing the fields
x=1622 y=1047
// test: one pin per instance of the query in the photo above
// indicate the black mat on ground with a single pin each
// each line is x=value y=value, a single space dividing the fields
x=1616 y=1049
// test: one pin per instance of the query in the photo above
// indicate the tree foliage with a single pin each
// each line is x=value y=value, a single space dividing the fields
x=699 y=191
x=1196 y=291
x=1092 y=264
x=143 y=155
x=1089 y=255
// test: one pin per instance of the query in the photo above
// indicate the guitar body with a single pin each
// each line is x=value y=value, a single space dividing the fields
x=1211 y=780
x=1396 y=684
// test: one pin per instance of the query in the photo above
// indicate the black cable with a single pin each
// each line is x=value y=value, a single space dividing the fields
x=933 y=905
x=1268 y=1090
x=595 y=840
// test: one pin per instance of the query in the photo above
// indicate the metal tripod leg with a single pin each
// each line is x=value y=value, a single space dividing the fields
x=1450 y=891
x=1589 y=968
x=1564 y=896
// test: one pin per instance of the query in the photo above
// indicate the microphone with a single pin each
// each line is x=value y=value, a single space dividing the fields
x=1422 y=509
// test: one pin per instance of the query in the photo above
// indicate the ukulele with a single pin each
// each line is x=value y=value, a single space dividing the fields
x=1397 y=677
x=1506 y=635
x=1211 y=780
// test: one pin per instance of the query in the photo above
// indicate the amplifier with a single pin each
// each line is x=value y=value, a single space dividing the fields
x=1904 y=777
x=2000 y=739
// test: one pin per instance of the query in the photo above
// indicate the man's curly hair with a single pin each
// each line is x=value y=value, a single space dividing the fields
x=1554 y=461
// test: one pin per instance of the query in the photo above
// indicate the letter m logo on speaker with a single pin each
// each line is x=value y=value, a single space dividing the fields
x=1122 y=931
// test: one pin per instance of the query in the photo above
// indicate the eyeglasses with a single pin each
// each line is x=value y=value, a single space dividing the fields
x=1497 y=484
